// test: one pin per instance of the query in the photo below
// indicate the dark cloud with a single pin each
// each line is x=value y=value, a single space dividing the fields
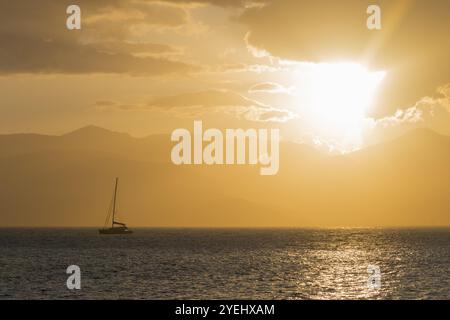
x=57 y=57
x=35 y=39
x=226 y=3
x=105 y=103
x=204 y=99
x=412 y=46
x=124 y=47
x=199 y=103
x=208 y=99
x=226 y=101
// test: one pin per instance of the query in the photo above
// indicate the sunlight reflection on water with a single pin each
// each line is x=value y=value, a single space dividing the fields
x=226 y=264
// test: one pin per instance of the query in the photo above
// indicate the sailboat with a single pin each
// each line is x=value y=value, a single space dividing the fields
x=116 y=227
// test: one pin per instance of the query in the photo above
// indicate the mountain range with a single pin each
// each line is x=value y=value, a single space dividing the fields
x=68 y=180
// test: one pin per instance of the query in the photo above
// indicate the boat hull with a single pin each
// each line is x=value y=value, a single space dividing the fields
x=118 y=230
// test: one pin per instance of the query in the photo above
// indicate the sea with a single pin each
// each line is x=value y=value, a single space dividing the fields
x=226 y=264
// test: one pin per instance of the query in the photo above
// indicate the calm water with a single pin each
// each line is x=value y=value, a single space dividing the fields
x=225 y=264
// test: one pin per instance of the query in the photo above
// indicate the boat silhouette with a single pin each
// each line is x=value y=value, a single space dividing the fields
x=116 y=227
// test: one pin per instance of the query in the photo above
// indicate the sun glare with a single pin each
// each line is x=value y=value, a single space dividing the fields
x=340 y=95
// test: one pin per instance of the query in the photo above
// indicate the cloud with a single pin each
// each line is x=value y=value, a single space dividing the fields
x=267 y=114
x=241 y=68
x=324 y=30
x=227 y=102
x=110 y=105
x=205 y=99
x=194 y=104
x=269 y=87
x=51 y=57
x=35 y=39
x=426 y=110
x=136 y=49
x=429 y=112
x=228 y=3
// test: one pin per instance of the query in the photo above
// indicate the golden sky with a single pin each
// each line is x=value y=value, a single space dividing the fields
x=311 y=68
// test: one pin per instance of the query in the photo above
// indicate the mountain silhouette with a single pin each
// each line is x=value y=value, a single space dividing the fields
x=67 y=181
x=90 y=138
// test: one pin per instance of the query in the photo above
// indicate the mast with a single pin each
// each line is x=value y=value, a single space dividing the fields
x=114 y=205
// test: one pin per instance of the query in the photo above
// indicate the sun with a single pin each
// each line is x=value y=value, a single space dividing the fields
x=340 y=95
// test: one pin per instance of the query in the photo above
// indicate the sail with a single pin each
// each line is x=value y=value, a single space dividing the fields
x=115 y=227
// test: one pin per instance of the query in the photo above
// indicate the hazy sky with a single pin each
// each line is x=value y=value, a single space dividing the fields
x=310 y=67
